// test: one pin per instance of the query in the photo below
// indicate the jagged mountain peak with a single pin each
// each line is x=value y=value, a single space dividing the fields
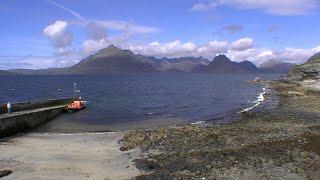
x=110 y=50
x=221 y=59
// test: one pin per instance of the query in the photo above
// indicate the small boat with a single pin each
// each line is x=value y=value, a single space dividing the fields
x=75 y=106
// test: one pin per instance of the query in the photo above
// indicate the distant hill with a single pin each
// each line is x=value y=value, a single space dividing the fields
x=113 y=60
x=181 y=64
x=308 y=70
x=41 y=71
x=22 y=71
x=276 y=67
x=6 y=73
x=223 y=65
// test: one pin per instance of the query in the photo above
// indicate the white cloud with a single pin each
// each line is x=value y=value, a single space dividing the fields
x=242 y=44
x=58 y=35
x=244 y=55
x=170 y=49
x=292 y=55
x=212 y=48
x=178 y=49
x=91 y=46
x=56 y=28
x=278 y=7
x=239 y=50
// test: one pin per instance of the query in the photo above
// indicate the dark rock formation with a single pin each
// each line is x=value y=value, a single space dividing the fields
x=223 y=65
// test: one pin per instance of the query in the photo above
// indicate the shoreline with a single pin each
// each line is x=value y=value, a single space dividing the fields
x=258 y=143
x=282 y=142
x=38 y=148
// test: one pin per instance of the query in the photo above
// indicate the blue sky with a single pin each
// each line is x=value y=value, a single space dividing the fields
x=46 y=33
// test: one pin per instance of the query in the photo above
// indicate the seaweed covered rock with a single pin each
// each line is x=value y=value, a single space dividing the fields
x=4 y=173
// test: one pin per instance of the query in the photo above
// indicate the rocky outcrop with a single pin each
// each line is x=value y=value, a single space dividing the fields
x=310 y=70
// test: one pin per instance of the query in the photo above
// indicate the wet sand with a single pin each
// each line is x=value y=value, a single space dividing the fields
x=67 y=156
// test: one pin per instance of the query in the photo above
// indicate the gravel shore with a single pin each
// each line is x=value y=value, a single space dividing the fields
x=278 y=143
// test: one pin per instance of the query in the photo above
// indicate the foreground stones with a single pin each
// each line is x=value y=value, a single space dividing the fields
x=4 y=173
x=280 y=143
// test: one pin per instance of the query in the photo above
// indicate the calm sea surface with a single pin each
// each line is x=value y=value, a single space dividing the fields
x=142 y=100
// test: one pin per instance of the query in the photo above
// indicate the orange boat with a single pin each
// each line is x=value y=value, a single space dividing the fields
x=75 y=106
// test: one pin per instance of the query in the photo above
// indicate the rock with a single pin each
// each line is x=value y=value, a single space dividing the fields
x=132 y=140
x=4 y=173
x=257 y=79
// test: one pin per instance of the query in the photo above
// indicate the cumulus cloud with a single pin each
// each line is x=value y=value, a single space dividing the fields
x=96 y=31
x=58 y=35
x=91 y=46
x=278 y=7
x=242 y=44
x=212 y=48
x=294 y=55
x=239 y=50
x=258 y=56
x=170 y=49
x=244 y=55
x=178 y=49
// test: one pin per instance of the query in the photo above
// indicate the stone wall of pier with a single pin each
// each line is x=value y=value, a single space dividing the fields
x=22 y=106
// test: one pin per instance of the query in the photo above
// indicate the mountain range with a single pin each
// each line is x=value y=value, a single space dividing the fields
x=221 y=64
x=6 y=73
x=181 y=64
x=112 y=60
x=308 y=70
x=276 y=67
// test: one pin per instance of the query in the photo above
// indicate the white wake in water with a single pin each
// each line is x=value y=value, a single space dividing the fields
x=257 y=102
x=199 y=122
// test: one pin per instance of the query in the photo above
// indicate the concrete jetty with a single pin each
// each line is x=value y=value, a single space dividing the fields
x=30 y=115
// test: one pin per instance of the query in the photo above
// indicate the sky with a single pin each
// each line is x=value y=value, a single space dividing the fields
x=38 y=34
